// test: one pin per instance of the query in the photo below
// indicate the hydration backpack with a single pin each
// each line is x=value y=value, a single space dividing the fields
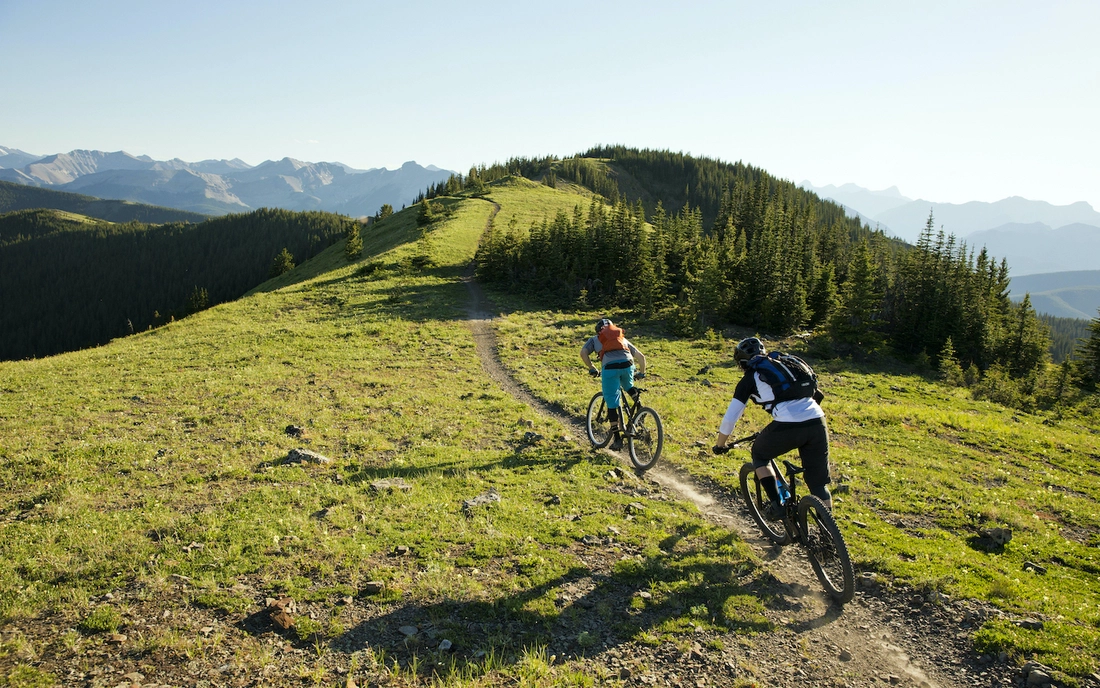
x=611 y=339
x=789 y=376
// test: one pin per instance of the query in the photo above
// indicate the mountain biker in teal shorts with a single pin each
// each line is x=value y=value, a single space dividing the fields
x=617 y=356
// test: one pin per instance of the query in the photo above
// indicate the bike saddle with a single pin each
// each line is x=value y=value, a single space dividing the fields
x=791 y=468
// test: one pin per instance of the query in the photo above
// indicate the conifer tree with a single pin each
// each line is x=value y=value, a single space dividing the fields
x=284 y=262
x=424 y=215
x=1089 y=352
x=950 y=370
x=385 y=211
x=353 y=247
x=861 y=301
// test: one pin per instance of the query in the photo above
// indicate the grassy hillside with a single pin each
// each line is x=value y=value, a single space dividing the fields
x=924 y=471
x=19 y=197
x=145 y=491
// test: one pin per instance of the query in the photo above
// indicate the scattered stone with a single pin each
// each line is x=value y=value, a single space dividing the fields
x=842 y=488
x=372 y=588
x=194 y=546
x=999 y=536
x=635 y=508
x=281 y=619
x=206 y=630
x=845 y=656
x=294 y=430
x=527 y=422
x=409 y=631
x=116 y=639
x=859 y=524
x=390 y=485
x=306 y=456
x=1030 y=625
x=351 y=683
x=483 y=499
x=1038 y=677
x=179 y=578
x=445 y=645
x=402 y=551
x=347 y=599
x=614 y=474
x=135 y=677
x=554 y=499
x=530 y=437
x=1034 y=568
x=624 y=673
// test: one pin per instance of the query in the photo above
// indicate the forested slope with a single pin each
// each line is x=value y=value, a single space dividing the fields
x=68 y=282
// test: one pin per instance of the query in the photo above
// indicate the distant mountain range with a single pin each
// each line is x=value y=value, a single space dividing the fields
x=1064 y=294
x=217 y=187
x=1016 y=229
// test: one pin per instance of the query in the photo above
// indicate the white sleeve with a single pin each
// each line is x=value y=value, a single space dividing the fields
x=733 y=414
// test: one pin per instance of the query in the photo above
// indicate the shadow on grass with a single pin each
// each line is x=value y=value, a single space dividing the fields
x=518 y=458
x=577 y=613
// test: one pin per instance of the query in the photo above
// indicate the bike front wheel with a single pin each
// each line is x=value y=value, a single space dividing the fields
x=645 y=439
x=596 y=424
x=826 y=548
x=756 y=499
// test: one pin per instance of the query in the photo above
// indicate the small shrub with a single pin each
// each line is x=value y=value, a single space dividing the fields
x=26 y=676
x=103 y=619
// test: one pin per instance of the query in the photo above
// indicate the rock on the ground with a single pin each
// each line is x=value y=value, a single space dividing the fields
x=306 y=456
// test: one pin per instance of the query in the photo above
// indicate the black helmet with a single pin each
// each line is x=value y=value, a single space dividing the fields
x=602 y=323
x=746 y=349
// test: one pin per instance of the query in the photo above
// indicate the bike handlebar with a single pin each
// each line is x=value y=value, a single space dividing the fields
x=748 y=438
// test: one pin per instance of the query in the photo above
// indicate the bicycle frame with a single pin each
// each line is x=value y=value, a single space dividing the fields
x=790 y=504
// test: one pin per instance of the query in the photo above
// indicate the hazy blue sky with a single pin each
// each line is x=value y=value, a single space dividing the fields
x=950 y=101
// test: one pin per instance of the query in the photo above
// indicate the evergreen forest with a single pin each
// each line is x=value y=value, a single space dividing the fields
x=704 y=244
x=68 y=281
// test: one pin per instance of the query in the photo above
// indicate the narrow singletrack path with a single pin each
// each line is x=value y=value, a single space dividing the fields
x=877 y=639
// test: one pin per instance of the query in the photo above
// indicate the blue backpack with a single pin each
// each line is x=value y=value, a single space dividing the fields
x=789 y=377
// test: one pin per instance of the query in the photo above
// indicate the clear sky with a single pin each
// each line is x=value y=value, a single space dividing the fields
x=951 y=101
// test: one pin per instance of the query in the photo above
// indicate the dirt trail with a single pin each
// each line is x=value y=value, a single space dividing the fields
x=883 y=637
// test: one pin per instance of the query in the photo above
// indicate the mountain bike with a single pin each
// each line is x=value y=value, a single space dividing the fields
x=645 y=433
x=806 y=520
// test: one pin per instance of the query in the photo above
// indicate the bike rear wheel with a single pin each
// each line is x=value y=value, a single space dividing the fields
x=756 y=499
x=826 y=548
x=645 y=439
x=596 y=424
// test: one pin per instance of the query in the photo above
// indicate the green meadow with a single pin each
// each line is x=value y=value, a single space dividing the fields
x=145 y=492
x=923 y=470
x=145 y=488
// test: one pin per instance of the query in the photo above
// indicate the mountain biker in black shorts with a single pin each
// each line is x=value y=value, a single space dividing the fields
x=796 y=424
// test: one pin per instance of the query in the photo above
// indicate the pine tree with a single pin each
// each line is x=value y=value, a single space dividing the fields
x=284 y=262
x=385 y=211
x=950 y=370
x=353 y=247
x=424 y=215
x=198 y=300
x=861 y=301
x=1089 y=352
